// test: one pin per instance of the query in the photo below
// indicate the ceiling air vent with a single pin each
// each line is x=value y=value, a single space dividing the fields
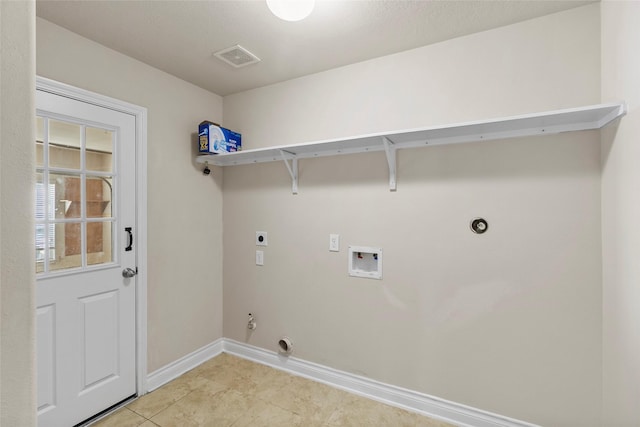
x=237 y=56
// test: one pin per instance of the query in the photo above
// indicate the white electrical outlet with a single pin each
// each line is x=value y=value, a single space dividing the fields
x=259 y=257
x=334 y=242
x=261 y=238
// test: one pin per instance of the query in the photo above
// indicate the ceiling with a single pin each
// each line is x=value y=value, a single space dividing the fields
x=180 y=37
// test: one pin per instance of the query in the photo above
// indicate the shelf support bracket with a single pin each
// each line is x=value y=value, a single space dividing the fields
x=390 y=151
x=292 y=168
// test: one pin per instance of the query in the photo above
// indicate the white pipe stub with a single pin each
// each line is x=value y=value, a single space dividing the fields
x=285 y=345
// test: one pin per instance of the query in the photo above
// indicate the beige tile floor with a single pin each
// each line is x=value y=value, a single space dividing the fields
x=230 y=391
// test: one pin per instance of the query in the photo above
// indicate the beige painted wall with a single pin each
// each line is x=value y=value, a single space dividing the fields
x=523 y=68
x=184 y=207
x=17 y=131
x=508 y=322
x=620 y=213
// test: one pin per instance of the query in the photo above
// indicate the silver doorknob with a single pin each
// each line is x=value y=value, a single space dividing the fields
x=129 y=272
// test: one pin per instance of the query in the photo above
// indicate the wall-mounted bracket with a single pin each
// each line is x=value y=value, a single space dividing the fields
x=390 y=151
x=292 y=168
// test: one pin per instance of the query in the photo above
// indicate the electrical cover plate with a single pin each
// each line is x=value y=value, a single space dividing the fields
x=261 y=238
x=334 y=242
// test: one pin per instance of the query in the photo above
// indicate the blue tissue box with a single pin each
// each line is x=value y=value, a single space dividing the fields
x=215 y=139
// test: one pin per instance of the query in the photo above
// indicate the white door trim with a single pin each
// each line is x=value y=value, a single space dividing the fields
x=140 y=114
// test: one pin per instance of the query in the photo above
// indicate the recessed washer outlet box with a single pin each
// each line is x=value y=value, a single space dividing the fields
x=365 y=261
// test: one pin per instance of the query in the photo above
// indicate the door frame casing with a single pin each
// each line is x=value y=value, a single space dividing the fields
x=140 y=114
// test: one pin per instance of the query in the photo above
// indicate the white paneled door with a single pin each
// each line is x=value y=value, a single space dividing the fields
x=85 y=259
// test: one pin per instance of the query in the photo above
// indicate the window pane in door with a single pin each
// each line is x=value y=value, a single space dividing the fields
x=99 y=148
x=99 y=242
x=39 y=141
x=69 y=240
x=67 y=200
x=99 y=191
x=40 y=252
x=64 y=144
x=44 y=231
x=40 y=195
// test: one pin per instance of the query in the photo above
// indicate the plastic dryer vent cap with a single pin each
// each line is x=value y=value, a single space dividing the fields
x=285 y=345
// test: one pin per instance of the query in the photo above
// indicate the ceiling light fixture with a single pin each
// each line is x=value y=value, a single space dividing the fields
x=291 y=10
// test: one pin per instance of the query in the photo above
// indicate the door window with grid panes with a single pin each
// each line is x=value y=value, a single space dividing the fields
x=74 y=189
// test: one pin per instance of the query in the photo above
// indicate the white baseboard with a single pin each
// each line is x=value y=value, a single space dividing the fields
x=174 y=369
x=413 y=401
x=434 y=407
